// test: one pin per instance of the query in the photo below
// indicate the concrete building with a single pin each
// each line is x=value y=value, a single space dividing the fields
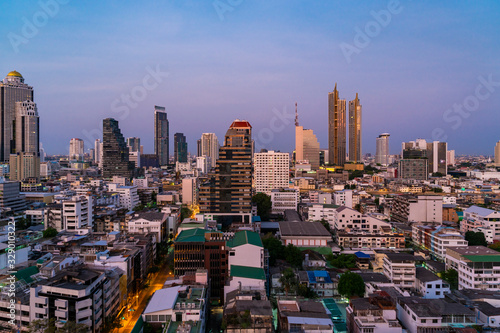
x=429 y=285
x=416 y=169
x=437 y=238
x=382 y=149
x=10 y=196
x=209 y=147
x=271 y=171
x=134 y=144
x=423 y=208
x=310 y=234
x=476 y=218
x=478 y=267
x=203 y=163
x=343 y=198
x=336 y=128
x=76 y=149
x=497 y=154
x=161 y=135
x=283 y=199
x=189 y=191
x=98 y=152
x=128 y=195
x=376 y=314
x=400 y=268
x=355 y=137
x=306 y=146
x=24 y=166
x=180 y=148
x=450 y=157
x=149 y=222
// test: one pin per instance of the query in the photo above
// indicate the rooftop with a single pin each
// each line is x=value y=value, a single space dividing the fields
x=248 y=272
x=245 y=237
x=424 y=275
x=303 y=229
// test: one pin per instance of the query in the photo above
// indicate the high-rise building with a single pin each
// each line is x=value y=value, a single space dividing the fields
x=436 y=155
x=76 y=149
x=306 y=144
x=180 y=148
x=10 y=197
x=497 y=154
x=98 y=152
x=355 y=131
x=413 y=168
x=271 y=171
x=208 y=145
x=161 y=135
x=12 y=90
x=336 y=128
x=134 y=144
x=382 y=153
x=115 y=157
x=24 y=166
x=450 y=157
x=230 y=190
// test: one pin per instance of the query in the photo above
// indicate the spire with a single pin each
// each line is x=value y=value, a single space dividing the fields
x=296 y=115
x=335 y=89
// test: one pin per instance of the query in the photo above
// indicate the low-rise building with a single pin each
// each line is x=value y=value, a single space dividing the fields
x=306 y=234
x=376 y=314
x=437 y=238
x=429 y=285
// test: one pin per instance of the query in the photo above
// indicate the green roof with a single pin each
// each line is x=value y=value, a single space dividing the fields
x=484 y=258
x=248 y=272
x=245 y=237
x=25 y=274
x=322 y=249
x=192 y=235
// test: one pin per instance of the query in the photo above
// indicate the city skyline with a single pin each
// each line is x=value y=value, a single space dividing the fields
x=246 y=75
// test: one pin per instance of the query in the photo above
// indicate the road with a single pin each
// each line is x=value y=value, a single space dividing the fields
x=157 y=283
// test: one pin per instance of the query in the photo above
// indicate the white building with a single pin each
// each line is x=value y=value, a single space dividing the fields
x=318 y=212
x=284 y=199
x=400 y=269
x=478 y=267
x=149 y=222
x=429 y=285
x=271 y=171
x=343 y=198
x=76 y=149
x=437 y=238
x=382 y=149
x=209 y=146
x=450 y=157
x=189 y=191
x=350 y=220
x=203 y=164
x=475 y=216
x=128 y=195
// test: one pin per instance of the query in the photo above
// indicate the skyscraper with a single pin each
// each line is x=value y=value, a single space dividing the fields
x=382 y=150
x=76 y=149
x=436 y=155
x=180 y=148
x=450 y=157
x=271 y=171
x=336 y=128
x=27 y=128
x=161 y=135
x=306 y=145
x=98 y=152
x=230 y=190
x=134 y=144
x=355 y=130
x=115 y=157
x=497 y=154
x=209 y=146
x=12 y=90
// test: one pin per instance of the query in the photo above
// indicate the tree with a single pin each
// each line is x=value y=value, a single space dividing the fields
x=305 y=291
x=185 y=213
x=72 y=327
x=495 y=246
x=264 y=205
x=356 y=174
x=351 y=284
x=342 y=260
x=326 y=225
x=450 y=276
x=288 y=280
x=293 y=256
x=50 y=232
x=42 y=326
x=475 y=238
x=275 y=248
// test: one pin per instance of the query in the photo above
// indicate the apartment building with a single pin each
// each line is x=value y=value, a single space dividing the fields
x=400 y=268
x=423 y=208
x=478 y=267
x=429 y=285
x=129 y=198
x=478 y=217
x=149 y=222
x=376 y=314
x=437 y=238
x=283 y=199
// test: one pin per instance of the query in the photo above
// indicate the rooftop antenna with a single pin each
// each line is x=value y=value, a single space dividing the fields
x=296 y=115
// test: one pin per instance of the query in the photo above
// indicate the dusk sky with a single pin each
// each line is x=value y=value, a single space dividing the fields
x=215 y=61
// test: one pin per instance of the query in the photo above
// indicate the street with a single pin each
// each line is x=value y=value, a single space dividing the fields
x=129 y=323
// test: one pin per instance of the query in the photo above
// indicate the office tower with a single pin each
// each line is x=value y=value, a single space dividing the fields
x=336 y=128
x=355 y=131
x=12 y=90
x=209 y=146
x=135 y=157
x=115 y=159
x=436 y=155
x=382 y=151
x=198 y=147
x=271 y=171
x=134 y=144
x=98 y=152
x=10 y=196
x=306 y=145
x=233 y=180
x=497 y=154
x=76 y=149
x=450 y=157
x=189 y=191
x=417 y=169
x=180 y=148
x=161 y=135
x=27 y=128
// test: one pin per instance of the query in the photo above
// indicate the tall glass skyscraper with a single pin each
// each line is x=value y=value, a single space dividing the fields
x=161 y=135
x=115 y=157
x=355 y=131
x=180 y=148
